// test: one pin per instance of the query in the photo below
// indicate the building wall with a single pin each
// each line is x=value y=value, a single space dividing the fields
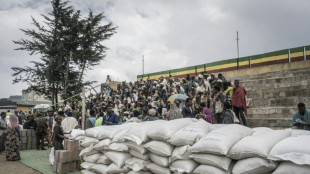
x=32 y=96
x=24 y=108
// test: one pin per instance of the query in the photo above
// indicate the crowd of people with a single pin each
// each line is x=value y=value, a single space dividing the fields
x=212 y=98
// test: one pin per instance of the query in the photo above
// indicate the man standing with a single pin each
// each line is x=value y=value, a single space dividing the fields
x=239 y=102
x=2 y=132
x=110 y=118
x=301 y=118
x=50 y=127
x=187 y=111
x=90 y=122
x=40 y=129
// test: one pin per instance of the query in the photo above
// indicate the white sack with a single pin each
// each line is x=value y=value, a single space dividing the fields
x=220 y=140
x=108 y=131
x=88 y=141
x=140 y=172
x=86 y=165
x=189 y=134
x=159 y=148
x=139 y=132
x=294 y=148
x=118 y=158
x=136 y=147
x=183 y=166
x=113 y=168
x=165 y=130
x=103 y=159
x=254 y=166
x=291 y=168
x=87 y=172
x=76 y=133
x=139 y=155
x=257 y=146
x=99 y=168
x=80 y=138
x=93 y=132
x=92 y=158
x=218 y=161
x=88 y=151
x=52 y=156
x=158 y=169
x=180 y=153
x=160 y=160
x=136 y=164
x=120 y=147
x=120 y=137
x=206 y=169
x=103 y=145
x=261 y=130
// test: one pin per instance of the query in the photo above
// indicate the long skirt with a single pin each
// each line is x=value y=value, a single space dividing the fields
x=2 y=141
x=12 y=146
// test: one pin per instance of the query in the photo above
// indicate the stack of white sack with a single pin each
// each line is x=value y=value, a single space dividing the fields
x=212 y=149
x=293 y=153
x=193 y=146
x=252 y=151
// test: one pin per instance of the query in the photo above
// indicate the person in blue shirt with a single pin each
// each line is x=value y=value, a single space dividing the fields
x=301 y=118
x=110 y=118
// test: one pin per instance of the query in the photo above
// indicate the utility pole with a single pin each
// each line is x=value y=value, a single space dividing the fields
x=237 y=50
x=83 y=109
x=142 y=65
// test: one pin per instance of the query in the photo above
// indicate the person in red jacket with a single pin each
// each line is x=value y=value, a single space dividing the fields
x=239 y=102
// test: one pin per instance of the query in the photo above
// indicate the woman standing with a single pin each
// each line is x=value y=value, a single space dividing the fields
x=12 y=139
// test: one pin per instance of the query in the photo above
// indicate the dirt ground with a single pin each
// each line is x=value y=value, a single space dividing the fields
x=13 y=167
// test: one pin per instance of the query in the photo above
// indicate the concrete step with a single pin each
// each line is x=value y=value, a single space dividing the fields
x=278 y=85
x=279 y=92
x=274 y=80
x=269 y=112
x=287 y=73
x=270 y=122
x=278 y=101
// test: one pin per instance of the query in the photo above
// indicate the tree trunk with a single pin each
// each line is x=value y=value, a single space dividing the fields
x=53 y=94
x=82 y=72
x=67 y=75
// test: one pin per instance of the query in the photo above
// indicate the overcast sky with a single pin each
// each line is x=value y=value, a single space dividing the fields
x=169 y=33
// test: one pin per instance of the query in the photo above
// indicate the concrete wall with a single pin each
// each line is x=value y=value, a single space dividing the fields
x=267 y=69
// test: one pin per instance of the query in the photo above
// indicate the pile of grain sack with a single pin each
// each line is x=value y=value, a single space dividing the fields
x=193 y=146
x=28 y=139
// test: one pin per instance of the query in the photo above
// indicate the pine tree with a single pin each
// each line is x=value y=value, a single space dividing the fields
x=68 y=45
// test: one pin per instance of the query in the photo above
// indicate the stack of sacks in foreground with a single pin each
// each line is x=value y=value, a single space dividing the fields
x=193 y=146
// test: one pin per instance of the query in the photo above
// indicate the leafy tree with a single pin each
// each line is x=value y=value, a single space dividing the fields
x=67 y=45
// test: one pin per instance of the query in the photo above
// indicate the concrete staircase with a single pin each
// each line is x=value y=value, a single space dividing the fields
x=274 y=96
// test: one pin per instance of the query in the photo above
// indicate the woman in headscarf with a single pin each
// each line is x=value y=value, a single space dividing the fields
x=12 y=139
x=174 y=112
